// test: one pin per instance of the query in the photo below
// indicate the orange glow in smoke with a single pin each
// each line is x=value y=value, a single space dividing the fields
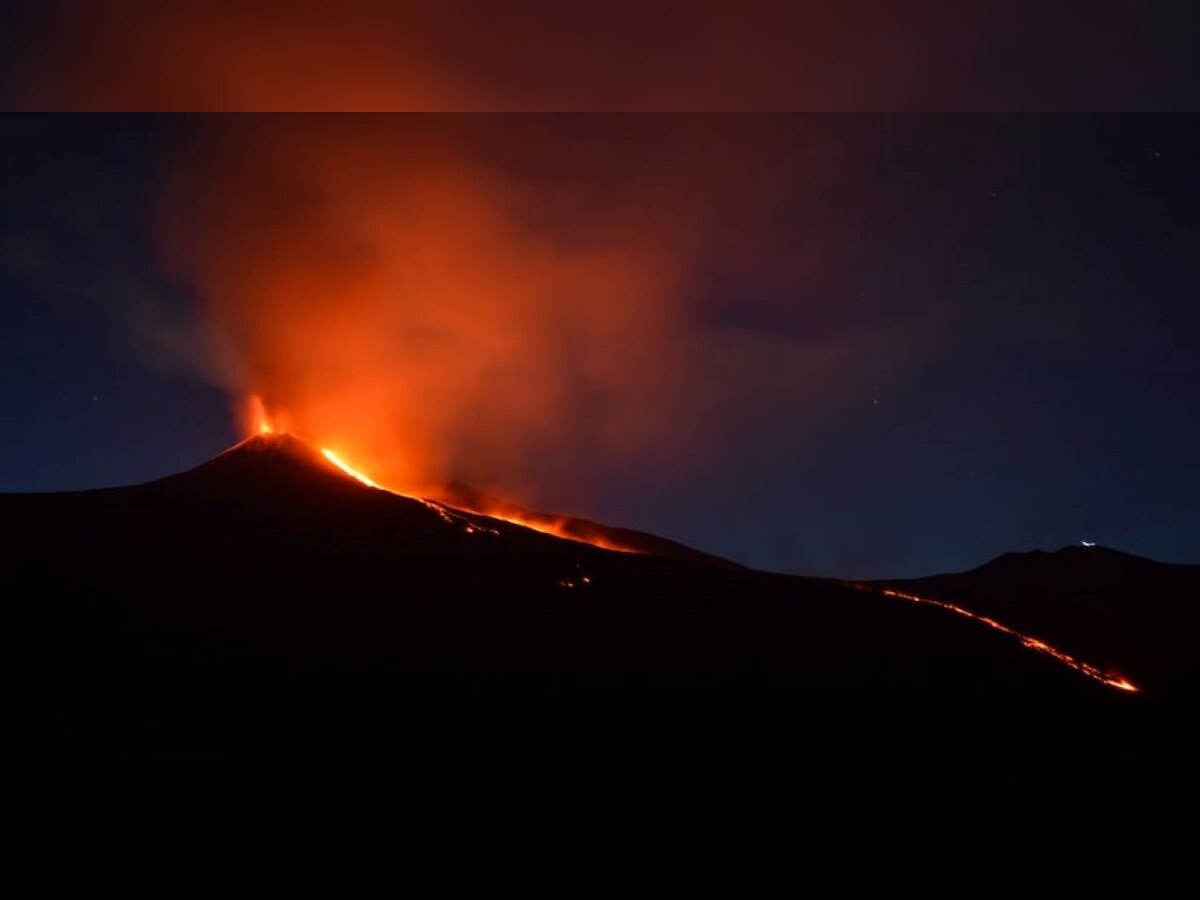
x=412 y=293
x=1111 y=679
x=434 y=314
x=258 y=421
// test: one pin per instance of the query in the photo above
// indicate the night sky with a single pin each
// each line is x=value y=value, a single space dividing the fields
x=1003 y=309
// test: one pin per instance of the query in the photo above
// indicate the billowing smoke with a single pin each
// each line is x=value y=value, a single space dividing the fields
x=509 y=302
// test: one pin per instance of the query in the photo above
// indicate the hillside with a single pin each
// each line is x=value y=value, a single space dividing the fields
x=265 y=610
x=1121 y=611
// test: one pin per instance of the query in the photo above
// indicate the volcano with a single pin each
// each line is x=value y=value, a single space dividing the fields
x=268 y=609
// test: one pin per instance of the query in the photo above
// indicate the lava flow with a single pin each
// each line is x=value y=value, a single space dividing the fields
x=353 y=473
x=554 y=525
x=545 y=524
x=1113 y=680
x=447 y=515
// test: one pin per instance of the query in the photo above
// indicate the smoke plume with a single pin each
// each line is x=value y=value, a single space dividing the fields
x=511 y=302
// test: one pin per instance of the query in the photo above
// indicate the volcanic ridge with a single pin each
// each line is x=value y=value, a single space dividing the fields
x=270 y=604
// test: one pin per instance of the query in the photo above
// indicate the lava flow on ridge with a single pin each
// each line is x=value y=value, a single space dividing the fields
x=259 y=422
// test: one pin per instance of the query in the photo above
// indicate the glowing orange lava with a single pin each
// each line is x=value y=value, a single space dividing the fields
x=555 y=526
x=353 y=473
x=558 y=527
x=447 y=515
x=1111 y=679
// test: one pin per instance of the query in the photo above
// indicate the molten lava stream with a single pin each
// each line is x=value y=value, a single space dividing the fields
x=353 y=473
x=454 y=517
x=447 y=516
x=556 y=528
x=458 y=518
x=258 y=420
x=1113 y=680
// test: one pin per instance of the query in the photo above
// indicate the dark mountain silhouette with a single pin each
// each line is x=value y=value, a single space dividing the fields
x=266 y=616
x=1119 y=611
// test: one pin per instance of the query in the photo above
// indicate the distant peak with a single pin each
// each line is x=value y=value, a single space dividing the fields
x=1072 y=555
x=1089 y=549
x=1068 y=550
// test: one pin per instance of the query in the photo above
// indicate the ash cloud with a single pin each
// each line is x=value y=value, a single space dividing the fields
x=523 y=304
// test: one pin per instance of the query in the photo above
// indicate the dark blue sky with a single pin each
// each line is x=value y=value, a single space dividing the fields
x=1041 y=274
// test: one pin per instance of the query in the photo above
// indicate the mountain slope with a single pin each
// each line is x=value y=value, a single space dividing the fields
x=1120 y=611
x=265 y=609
